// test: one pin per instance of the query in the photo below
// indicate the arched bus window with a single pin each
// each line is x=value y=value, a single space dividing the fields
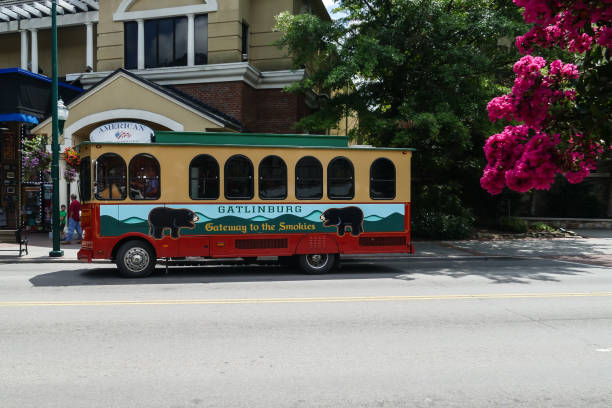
x=110 y=177
x=382 y=180
x=308 y=179
x=272 y=178
x=238 y=178
x=144 y=178
x=204 y=178
x=85 y=179
x=340 y=179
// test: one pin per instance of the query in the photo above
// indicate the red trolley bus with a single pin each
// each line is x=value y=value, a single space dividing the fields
x=222 y=195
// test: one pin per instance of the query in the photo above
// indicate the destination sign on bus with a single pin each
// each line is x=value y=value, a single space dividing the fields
x=121 y=132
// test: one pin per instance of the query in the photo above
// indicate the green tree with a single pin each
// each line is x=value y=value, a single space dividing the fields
x=416 y=73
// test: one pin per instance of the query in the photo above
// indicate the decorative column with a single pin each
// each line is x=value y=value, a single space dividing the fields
x=89 y=50
x=190 y=40
x=34 y=33
x=141 y=44
x=24 y=49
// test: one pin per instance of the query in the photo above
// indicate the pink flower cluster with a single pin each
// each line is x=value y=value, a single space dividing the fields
x=580 y=158
x=523 y=159
x=520 y=158
x=534 y=91
x=574 y=25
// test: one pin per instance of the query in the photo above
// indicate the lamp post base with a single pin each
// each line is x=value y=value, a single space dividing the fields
x=56 y=254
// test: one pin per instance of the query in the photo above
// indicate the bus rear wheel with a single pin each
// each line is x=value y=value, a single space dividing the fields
x=135 y=259
x=315 y=264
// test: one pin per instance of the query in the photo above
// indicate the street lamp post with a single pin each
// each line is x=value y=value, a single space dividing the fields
x=56 y=252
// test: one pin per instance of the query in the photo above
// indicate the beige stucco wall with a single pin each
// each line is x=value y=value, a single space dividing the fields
x=110 y=38
x=123 y=93
x=224 y=33
x=10 y=50
x=140 y=5
x=71 y=44
x=263 y=54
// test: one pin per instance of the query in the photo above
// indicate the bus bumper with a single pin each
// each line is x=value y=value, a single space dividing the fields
x=85 y=255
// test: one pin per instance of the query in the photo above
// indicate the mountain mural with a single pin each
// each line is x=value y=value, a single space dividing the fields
x=287 y=223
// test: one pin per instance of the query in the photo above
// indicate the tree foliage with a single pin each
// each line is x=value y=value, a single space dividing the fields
x=416 y=73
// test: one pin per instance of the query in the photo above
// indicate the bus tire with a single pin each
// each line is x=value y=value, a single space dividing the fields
x=135 y=259
x=316 y=264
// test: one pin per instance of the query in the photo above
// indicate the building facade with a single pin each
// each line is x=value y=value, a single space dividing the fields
x=201 y=65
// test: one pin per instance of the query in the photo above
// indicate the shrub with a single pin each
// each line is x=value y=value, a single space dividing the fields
x=541 y=227
x=512 y=224
x=439 y=214
x=436 y=225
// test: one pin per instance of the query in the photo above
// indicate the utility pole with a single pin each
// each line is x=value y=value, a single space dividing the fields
x=56 y=252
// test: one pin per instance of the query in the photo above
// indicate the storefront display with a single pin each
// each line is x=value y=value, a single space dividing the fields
x=9 y=175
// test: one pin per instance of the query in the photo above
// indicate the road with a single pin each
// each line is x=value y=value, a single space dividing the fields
x=496 y=332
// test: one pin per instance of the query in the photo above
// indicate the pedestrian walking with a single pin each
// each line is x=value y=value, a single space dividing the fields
x=74 y=220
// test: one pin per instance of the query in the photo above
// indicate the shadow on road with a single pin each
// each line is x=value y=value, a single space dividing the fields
x=497 y=271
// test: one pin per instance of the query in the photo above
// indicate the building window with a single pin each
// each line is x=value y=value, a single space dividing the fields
x=166 y=42
x=340 y=179
x=201 y=39
x=382 y=180
x=130 y=38
x=238 y=177
x=245 y=39
x=308 y=179
x=144 y=178
x=272 y=178
x=204 y=178
x=110 y=177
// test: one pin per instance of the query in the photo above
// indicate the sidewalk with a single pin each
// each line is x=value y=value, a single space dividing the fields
x=588 y=245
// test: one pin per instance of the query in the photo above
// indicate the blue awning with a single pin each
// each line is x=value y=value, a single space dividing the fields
x=18 y=117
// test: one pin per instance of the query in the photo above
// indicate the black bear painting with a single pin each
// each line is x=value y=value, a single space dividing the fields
x=161 y=218
x=344 y=217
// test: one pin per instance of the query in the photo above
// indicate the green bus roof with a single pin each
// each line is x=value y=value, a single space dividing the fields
x=249 y=139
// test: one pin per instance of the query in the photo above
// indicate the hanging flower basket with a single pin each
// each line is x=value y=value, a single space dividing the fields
x=70 y=174
x=36 y=158
x=73 y=161
x=72 y=158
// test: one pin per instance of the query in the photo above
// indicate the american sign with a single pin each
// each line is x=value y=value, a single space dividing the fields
x=121 y=132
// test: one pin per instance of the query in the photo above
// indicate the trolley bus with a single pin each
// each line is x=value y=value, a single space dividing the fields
x=302 y=198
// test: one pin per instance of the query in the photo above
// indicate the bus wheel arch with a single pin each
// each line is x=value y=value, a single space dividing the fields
x=317 y=253
x=135 y=258
x=122 y=241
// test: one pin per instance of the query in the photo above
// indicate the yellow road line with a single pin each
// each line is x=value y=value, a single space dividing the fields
x=305 y=300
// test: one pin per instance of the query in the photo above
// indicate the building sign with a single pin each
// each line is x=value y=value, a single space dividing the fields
x=122 y=132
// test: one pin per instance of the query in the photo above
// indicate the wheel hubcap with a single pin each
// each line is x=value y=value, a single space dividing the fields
x=317 y=261
x=136 y=259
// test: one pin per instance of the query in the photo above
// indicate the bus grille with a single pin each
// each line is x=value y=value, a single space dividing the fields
x=260 y=243
x=382 y=241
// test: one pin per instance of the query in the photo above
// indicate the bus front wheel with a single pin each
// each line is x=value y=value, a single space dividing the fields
x=135 y=259
x=314 y=264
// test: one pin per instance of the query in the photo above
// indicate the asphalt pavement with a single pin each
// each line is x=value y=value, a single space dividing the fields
x=423 y=332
